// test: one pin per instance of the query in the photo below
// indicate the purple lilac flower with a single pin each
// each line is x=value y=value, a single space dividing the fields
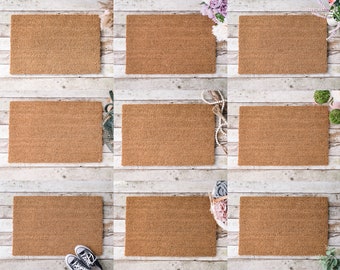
x=215 y=3
x=223 y=9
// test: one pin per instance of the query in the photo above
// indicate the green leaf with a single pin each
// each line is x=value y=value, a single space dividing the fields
x=219 y=17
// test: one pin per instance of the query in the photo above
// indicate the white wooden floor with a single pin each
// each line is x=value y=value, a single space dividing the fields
x=96 y=179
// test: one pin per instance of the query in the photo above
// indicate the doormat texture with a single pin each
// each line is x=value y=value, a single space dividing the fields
x=55 y=132
x=55 y=44
x=170 y=44
x=283 y=136
x=52 y=226
x=169 y=226
x=283 y=226
x=168 y=135
x=282 y=44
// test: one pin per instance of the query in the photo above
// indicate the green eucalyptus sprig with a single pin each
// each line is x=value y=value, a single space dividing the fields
x=330 y=261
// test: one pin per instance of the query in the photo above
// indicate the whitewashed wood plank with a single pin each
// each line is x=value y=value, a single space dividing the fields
x=270 y=6
x=119 y=72
x=106 y=71
x=280 y=175
x=221 y=254
x=280 y=84
x=273 y=264
x=146 y=5
x=333 y=71
x=169 y=265
x=234 y=198
x=7 y=198
x=233 y=253
x=107 y=162
x=161 y=96
x=220 y=163
x=6 y=254
x=164 y=187
x=285 y=185
x=55 y=85
x=50 y=264
x=60 y=5
x=180 y=174
x=51 y=186
x=55 y=174
x=168 y=84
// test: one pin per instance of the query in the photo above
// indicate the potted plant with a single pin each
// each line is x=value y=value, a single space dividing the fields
x=330 y=262
x=322 y=96
x=334 y=116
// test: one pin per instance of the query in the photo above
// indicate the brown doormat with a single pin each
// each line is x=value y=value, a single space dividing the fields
x=168 y=135
x=282 y=44
x=52 y=226
x=170 y=44
x=55 y=132
x=169 y=226
x=55 y=44
x=283 y=136
x=283 y=226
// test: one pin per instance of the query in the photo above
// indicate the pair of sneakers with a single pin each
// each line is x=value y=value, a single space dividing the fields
x=84 y=259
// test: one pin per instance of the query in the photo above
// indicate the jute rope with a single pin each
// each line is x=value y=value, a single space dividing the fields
x=219 y=103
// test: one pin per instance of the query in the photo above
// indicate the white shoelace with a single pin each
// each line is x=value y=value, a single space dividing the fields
x=88 y=258
x=78 y=266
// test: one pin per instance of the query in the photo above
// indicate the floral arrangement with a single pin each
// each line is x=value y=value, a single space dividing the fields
x=216 y=10
x=332 y=99
x=219 y=203
x=331 y=12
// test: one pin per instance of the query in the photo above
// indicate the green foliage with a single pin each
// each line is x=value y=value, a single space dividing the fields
x=322 y=96
x=330 y=262
x=219 y=17
x=334 y=116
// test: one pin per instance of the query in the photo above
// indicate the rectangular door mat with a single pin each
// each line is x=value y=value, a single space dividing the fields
x=52 y=226
x=282 y=44
x=170 y=44
x=168 y=135
x=55 y=44
x=55 y=132
x=169 y=226
x=283 y=226
x=283 y=136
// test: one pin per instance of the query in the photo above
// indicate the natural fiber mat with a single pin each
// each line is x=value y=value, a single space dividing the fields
x=51 y=226
x=168 y=135
x=282 y=44
x=169 y=44
x=169 y=226
x=55 y=132
x=283 y=226
x=55 y=44
x=283 y=136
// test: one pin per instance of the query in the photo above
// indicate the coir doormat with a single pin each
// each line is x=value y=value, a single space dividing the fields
x=168 y=135
x=55 y=44
x=283 y=226
x=52 y=226
x=169 y=226
x=282 y=44
x=170 y=44
x=55 y=132
x=283 y=135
